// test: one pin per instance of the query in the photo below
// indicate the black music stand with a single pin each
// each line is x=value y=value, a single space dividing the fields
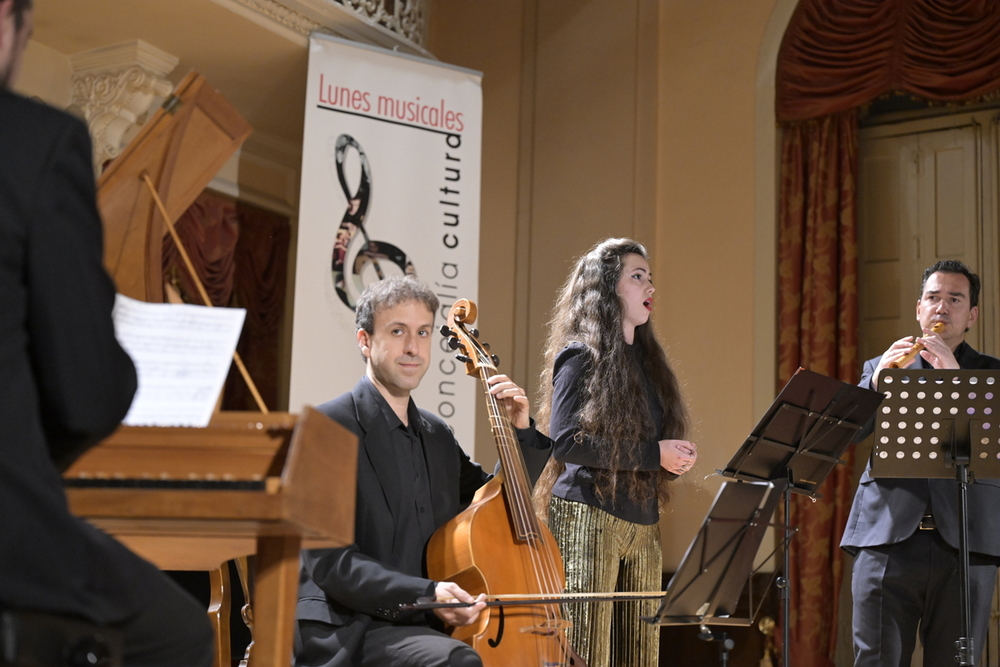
x=933 y=420
x=706 y=587
x=800 y=439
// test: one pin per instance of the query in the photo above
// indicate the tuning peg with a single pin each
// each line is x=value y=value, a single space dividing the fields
x=464 y=359
x=474 y=332
x=486 y=346
x=496 y=360
x=445 y=330
x=454 y=343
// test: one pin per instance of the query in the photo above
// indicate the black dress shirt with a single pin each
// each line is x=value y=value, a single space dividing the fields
x=415 y=524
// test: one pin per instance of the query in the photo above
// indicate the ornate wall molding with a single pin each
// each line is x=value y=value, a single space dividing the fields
x=388 y=23
x=405 y=17
x=284 y=16
x=114 y=88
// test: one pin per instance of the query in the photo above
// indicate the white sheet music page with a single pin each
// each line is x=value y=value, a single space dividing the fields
x=182 y=355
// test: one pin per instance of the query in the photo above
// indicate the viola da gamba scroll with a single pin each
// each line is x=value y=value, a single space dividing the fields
x=498 y=545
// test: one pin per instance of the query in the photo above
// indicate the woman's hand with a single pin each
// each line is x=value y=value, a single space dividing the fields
x=677 y=456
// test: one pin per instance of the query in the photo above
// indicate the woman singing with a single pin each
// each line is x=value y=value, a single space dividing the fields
x=616 y=418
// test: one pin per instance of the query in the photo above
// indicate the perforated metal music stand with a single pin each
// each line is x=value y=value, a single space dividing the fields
x=932 y=420
x=718 y=564
x=941 y=424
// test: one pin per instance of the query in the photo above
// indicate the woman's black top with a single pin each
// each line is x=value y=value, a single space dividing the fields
x=584 y=456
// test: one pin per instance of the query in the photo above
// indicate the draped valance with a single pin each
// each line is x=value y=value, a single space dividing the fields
x=840 y=54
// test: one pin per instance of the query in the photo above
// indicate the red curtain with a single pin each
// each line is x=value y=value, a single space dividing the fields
x=837 y=55
x=818 y=329
x=261 y=272
x=208 y=231
x=240 y=254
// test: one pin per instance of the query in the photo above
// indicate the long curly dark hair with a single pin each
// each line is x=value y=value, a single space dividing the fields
x=614 y=411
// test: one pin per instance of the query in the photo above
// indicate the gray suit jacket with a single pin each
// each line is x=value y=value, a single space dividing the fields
x=886 y=511
x=350 y=587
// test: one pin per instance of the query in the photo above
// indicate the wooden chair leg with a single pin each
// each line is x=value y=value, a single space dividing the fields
x=218 y=614
x=243 y=567
x=276 y=584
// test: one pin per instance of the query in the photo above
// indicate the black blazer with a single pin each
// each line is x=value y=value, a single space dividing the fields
x=64 y=380
x=886 y=511
x=350 y=586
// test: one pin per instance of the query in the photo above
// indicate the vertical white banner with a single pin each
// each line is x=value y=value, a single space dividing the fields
x=390 y=185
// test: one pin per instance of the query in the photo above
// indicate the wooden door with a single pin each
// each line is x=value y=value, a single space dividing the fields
x=919 y=201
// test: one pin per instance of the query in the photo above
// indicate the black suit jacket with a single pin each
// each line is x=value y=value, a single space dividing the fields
x=64 y=380
x=349 y=587
x=886 y=511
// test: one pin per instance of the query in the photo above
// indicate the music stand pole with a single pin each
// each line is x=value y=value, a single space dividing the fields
x=725 y=643
x=964 y=645
x=785 y=583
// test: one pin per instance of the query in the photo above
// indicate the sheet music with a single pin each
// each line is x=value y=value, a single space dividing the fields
x=182 y=355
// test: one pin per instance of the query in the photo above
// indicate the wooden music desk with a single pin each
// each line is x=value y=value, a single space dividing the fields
x=249 y=483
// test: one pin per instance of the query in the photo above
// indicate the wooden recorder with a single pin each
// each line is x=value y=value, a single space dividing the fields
x=908 y=358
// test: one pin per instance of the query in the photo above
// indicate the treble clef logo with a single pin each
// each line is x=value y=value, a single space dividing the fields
x=372 y=260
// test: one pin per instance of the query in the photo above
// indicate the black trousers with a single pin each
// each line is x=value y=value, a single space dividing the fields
x=170 y=629
x=383 y=644
x=913 y=587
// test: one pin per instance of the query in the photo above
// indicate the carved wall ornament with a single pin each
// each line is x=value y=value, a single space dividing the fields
x=115 y=104
x=114 y=88
x=405 y=17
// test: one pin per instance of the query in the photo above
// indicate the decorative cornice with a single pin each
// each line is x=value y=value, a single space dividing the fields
x=282 y=15
x=114 y=58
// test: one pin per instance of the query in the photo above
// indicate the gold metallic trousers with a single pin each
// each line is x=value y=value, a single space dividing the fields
x=602 y=553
